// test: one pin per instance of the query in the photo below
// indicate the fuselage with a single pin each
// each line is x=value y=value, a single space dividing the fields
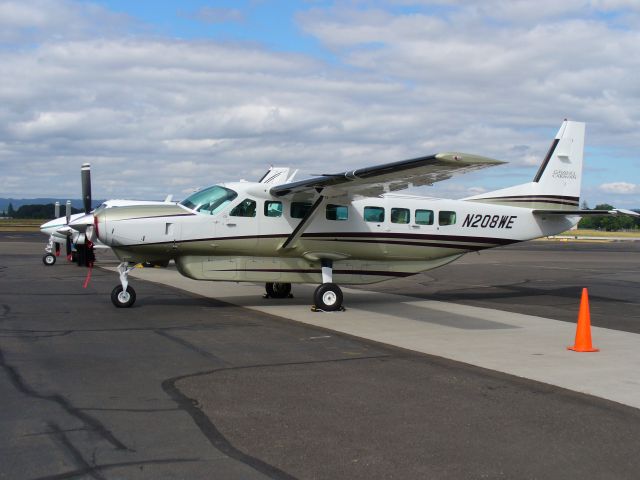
x=59 y=229
x=241 y=232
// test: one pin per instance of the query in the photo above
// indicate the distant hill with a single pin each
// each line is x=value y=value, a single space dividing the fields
x=18 y=202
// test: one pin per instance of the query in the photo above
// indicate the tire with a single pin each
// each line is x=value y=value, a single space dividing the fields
x=328 y=297
x=49 y=259
x=123 y=299
x=278 y=290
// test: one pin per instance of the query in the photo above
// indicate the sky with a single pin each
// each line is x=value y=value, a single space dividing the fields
x=165 y=97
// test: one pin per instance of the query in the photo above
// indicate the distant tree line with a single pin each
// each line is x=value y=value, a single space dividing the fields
x=609 y=223
x=36 y=211
x=596 y=222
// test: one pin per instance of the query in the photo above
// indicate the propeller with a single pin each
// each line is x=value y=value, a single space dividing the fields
x=68 y=215
x=56 y=210
x=84 y=246
x=85 y=177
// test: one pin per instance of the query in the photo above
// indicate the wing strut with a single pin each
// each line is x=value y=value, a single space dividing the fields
x=304 y=223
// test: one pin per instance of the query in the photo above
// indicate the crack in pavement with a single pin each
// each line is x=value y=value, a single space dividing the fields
x=211 y=432
x=93 y=423
x=73 y=452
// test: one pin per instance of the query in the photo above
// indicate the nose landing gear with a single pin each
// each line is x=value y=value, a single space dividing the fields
x=49 y=259
x=123 y=295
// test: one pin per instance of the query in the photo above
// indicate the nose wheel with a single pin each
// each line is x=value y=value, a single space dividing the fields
x=123 y=295
x=123 y=298
x=49 y=259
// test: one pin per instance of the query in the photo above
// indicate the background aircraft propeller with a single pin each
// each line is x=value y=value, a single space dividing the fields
x=68 y=219
x=85 y=177
x=83 y=245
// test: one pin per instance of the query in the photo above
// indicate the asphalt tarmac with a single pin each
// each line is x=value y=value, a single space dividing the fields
x=543 y=278
x=186 y=387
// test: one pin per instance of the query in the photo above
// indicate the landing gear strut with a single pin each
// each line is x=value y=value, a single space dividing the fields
x=328 y=296
x=278 y=290
x=49 y=258
x=123 y=295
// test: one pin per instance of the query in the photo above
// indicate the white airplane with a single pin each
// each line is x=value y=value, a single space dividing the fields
x=70 y=229
x=345 y=228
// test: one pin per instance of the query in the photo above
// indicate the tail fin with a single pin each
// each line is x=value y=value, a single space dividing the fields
x=556 y=185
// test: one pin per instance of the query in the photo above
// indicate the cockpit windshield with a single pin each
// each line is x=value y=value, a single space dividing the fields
x=210 y=200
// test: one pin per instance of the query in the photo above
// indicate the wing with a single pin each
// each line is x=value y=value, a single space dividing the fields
x=582 y=213
x=389 y=177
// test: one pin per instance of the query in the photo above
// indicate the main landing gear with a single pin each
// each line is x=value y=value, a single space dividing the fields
x=123 y=295
x=278 y=290
x=328 y=296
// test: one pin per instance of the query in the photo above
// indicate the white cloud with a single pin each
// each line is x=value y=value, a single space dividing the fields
x=620 y=188
x=28 y=21
x=156 y=114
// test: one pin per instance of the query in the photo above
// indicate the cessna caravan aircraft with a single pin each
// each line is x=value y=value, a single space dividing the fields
x=70 y=229
x=345 y=228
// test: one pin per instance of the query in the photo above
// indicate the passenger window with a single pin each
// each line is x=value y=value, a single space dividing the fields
x=272 y=209
x=399 y=215
x=246 y=208
x=373 y=214
x=300 y=209
x=337 y=212
x=424 y=217
x=446 y=218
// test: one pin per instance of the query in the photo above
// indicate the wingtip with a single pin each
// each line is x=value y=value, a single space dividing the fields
x=468 y=158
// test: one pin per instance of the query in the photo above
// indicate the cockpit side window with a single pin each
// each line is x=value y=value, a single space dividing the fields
x=246 y=208
x=210 y=200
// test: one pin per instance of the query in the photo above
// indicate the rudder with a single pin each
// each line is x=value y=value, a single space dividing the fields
x=557 y=182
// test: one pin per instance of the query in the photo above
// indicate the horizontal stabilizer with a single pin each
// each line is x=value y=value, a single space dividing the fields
x=615 y=211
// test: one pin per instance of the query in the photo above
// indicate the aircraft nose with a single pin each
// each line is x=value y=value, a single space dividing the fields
x=48 y=227
x=100 y=226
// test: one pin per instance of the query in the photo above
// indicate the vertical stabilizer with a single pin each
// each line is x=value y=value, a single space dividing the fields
x=557 y=182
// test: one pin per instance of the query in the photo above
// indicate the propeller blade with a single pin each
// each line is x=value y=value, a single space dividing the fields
x=85 y=175
x=68 y=211
x=56 y=210
x=68 y=245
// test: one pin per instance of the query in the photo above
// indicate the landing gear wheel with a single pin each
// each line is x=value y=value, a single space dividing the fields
x=328 y=297
x=122 y=299
x=49 y=259
x=278 y=290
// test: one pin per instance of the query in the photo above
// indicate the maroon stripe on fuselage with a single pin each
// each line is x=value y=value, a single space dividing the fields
x=379 y=273
x=557 y=199
x=368 y=237
x=158 y=216
x=337 y=236
x=419 y=244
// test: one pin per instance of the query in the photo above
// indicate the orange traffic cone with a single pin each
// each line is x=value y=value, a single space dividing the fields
x=583 y=331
